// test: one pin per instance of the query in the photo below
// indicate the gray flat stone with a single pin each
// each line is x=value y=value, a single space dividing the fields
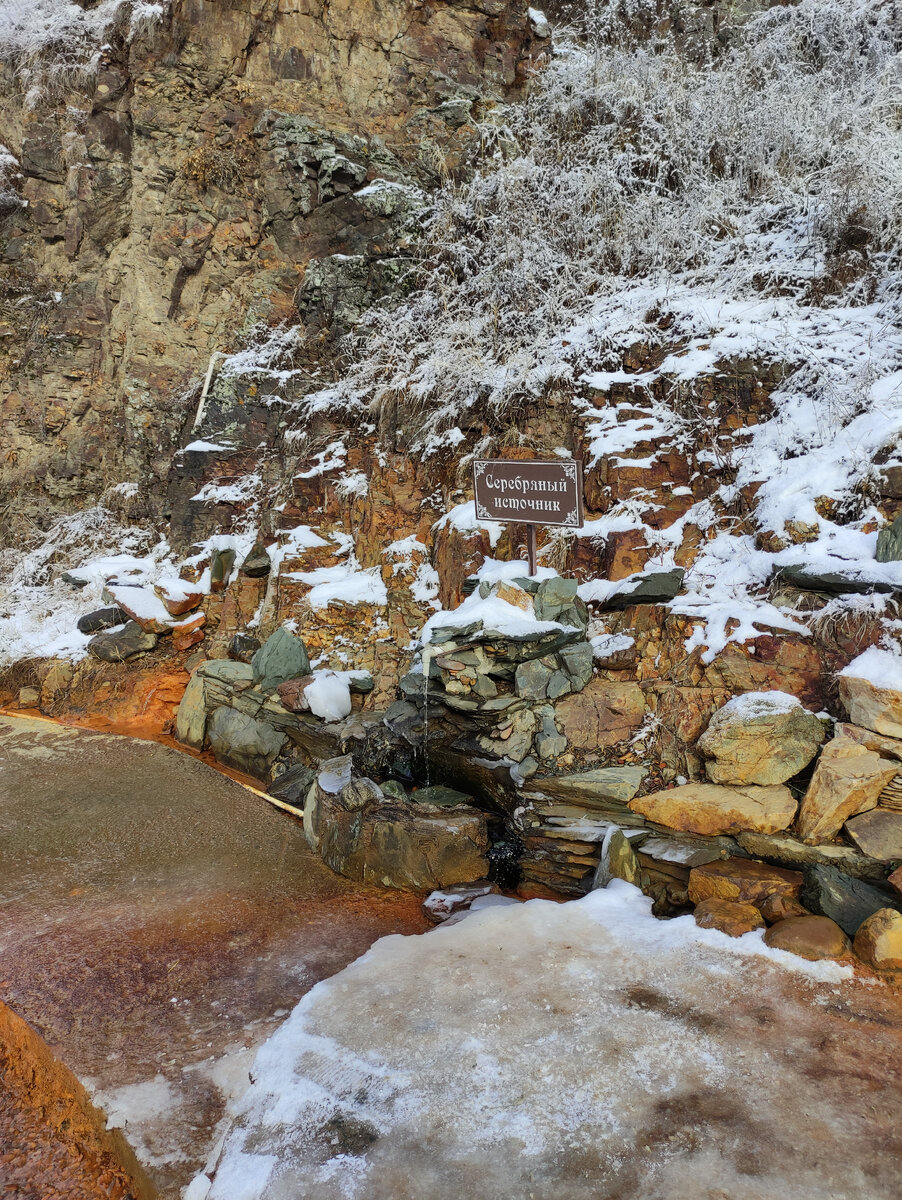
x=101 y=618
x=293 y=785
x=833 y=583
x=531 y=680
x=844 y=899
x=656 y=587
x=123 y=644
x=604 y=783
x=226 y=670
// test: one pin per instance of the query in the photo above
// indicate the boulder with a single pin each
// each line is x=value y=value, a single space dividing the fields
x=620 y=858
x=178 y=596
x=878 y=833
x=363 y=835
x=743 y=880
x=808 y=936
x=258 y=563
x=549 y=741
x=871 y=689
x=886 y=747
x=846 y=900
x=189 y=632
x=28 y=697
x=760 y=738
x=710 y=808
x=577 y=662
x=531 y=679
x=243 y=742
x=601 y=715
x=878 y=940
x=191 y=718
x=226 y=671
x=552 y=595
x=243 y=647
x=281 y=657
x=889 y=542
x=729 y=916
x=101 y=618
x=895 y=880
x=848 y=779
x=556 y=600
x=512 y=593
x=120 y=645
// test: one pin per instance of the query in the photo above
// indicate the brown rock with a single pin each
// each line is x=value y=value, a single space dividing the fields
x=189 y=632
x=887 y=747
x=184 y=641
x=511 y=593
x=848 y=780
x=179 y=601
x=878 y=833
x=779 y=907
x=742 y=879
x=711 y=808
x=873 y=707
x=291 y=694
x=144 y=608
x=601 y=715
x=728 y=916
x=878 y=941
x=896 y=879
x=809 y=937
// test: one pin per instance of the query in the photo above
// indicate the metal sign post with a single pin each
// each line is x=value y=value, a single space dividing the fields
x=531 y=492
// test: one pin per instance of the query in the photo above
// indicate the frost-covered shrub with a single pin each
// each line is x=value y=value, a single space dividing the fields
x=55 y=43
x=749 y=172
x=9 y=178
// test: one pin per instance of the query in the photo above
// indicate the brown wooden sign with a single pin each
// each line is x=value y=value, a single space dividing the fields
x=534 y=492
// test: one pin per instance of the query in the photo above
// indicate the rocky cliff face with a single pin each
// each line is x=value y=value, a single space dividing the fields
x=172 y=199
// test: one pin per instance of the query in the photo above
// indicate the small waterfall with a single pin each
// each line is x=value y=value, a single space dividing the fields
x=427 y=654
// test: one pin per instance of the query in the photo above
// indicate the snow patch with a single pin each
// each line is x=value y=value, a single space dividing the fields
x=881 y=668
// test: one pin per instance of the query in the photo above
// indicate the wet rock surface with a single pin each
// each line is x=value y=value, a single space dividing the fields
x=158 y=920
x=436 y=841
